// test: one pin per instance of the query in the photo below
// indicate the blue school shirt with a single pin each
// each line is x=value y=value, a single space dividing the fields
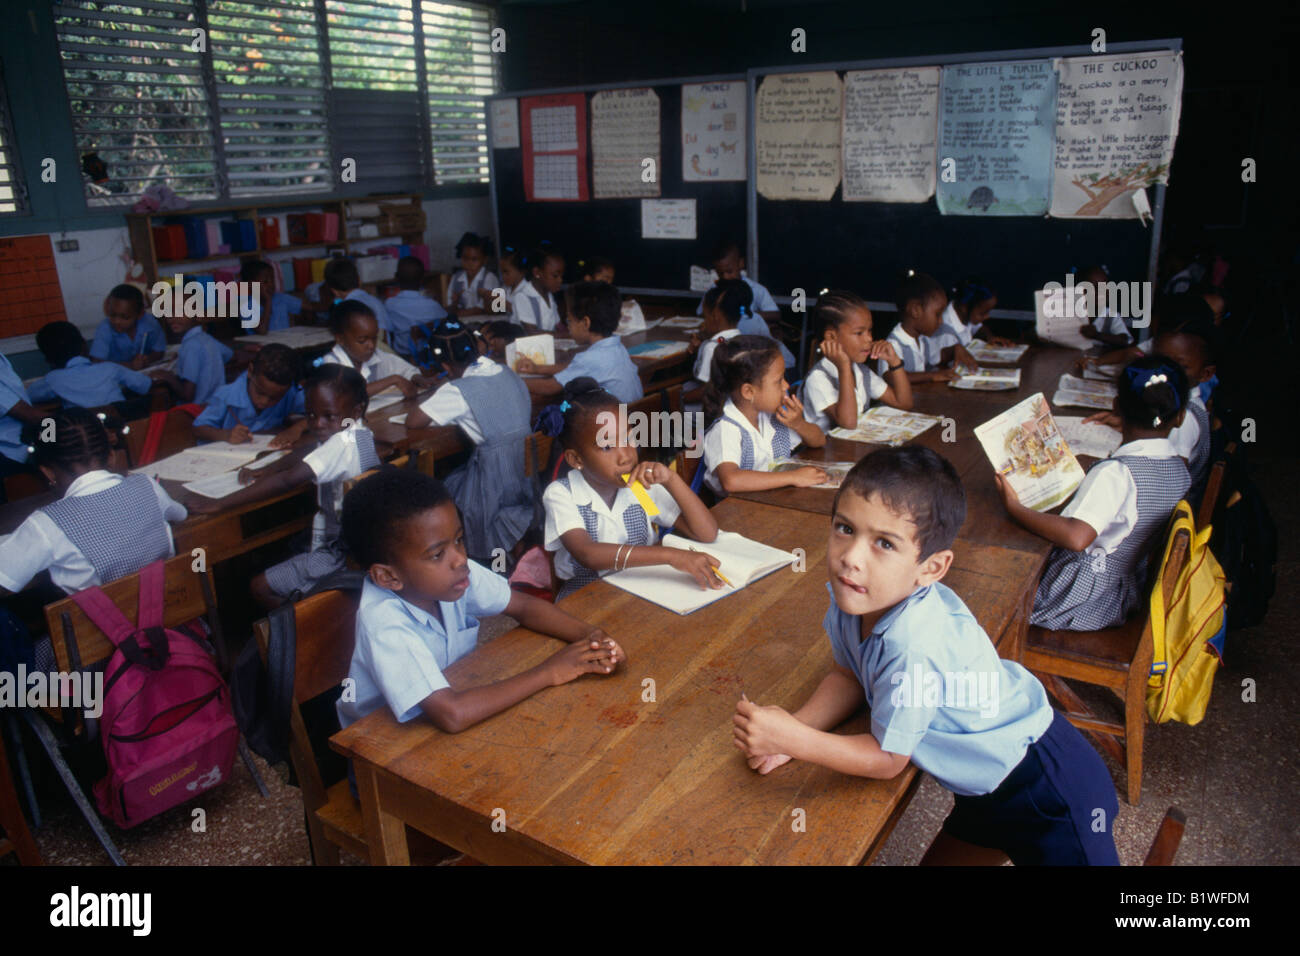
x=202 y=360
x=606 y=360
x=406 y=309
x=230 y=406
x=82 y=382
x=111 y=346
x=938 y=692
x=283 y=306
x=377 y=307
x=12 y=391
x=401 y=650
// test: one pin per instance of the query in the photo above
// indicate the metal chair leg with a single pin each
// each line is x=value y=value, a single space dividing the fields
x=252 y=768
x=51 y=745
x=24 y=772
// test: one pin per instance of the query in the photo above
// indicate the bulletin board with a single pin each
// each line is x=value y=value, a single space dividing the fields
x=29 y=286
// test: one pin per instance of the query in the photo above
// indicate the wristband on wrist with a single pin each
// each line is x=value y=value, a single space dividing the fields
x=894 y=368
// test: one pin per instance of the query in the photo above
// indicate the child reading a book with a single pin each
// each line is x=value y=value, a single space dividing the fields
x=1095 y=575
x=356 y=337
x=969 y=305
x=597 y=269
x=420 y=609
x=921 y=301
x=840 y=387
x=1026 y=784
x=343 y=448
x=1105 y=327
x=596 y=521
x=754 y=420
x=594 y=310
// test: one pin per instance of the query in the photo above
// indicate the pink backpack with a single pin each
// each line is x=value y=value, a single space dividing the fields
x=167 y=728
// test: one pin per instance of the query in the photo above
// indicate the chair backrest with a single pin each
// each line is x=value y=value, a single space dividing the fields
x=325 y=625
x=401 y=461
x=177 y=435
x=673 y=398
x=188 y=594
x=1214 y=487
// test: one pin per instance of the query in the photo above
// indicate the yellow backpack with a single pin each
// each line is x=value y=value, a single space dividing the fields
x=1188 y=635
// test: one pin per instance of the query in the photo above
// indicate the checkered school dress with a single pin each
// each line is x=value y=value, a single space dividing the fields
x=1201 y=453
x=638 y=533
x=1080 y=593
x=498 y=503
x=780 y=442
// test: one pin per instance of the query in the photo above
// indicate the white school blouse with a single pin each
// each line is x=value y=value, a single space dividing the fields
x=722 y=443
x=39 y=543
x=1185 y=437
x=821 y=390
x=917 y=354
x=534 y=308
x=704 y=357
x=562 y=515
x=447 y=405
x=1108 y=323
x=1106 y=500
x=952 y=322
x=463 y=292
x=381 y=365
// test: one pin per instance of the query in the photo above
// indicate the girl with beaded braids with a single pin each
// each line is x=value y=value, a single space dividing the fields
x=594 y=521
x=103 y=526
x=1095 y=575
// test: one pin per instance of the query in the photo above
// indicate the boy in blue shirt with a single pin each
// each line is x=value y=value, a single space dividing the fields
x=129 y=335
x=411 y=313
x=420 y=609
x=594 y=311
x=74 y=380
x=201 y=361
x=1026 y=783
x=260 y=400
x=729 y=263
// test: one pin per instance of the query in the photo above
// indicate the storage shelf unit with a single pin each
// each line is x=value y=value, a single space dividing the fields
x=140 y=227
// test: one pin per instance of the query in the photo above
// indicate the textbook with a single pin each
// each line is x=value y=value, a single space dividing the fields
x=539 y=348
x=683 y=322
x=884 y=425
x=989 y=380
x=1062 y=325
x=1093 y=439
x=742 y=562
x=1102 y=373
x=1026 y=446
x=835 y=470
x=982 y=352
x=204 y=461
x=1085 y=393
x=389 y=396
x=657 y=349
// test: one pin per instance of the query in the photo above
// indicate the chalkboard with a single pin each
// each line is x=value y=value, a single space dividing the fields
x=612 y=227
x=864 y=246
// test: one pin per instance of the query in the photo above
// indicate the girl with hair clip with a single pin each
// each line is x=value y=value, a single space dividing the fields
x=1096 y=574
x=754 y=420
x=471 y=286
x=491 y=405
x=594 y=522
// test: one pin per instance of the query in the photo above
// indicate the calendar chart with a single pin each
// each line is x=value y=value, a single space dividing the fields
x=554 y=135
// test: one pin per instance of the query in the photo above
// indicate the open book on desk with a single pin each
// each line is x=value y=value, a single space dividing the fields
x=742 y=562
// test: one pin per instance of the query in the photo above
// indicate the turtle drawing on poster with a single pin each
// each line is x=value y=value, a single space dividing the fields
x=797 y=136
x=995 y=138
x=1116 y=120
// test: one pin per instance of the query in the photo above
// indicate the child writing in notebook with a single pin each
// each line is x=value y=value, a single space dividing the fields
x=74 y=380
x=594 y=311
x=840 y=388
x=342 y=448
x=261 y=399
x=921 y=301
x=495 y=336
x=754 y=420
x=491 y=405
x=729 y=263
x=470 y=289
x=276 y=309
x=534 y=302
x=356 y=337
x=103 y=525
x=967 y=312
x=595 y=523
x=128 y=335
x=201 y=361
x=1096 y=574
x=411 y=313
x=420 y=609
x=1026 y=784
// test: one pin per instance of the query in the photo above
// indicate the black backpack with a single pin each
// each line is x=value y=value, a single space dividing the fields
x=1245 y=542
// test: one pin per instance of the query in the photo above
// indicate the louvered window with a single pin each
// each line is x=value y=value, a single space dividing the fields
x=460 y=70
x=13 y=195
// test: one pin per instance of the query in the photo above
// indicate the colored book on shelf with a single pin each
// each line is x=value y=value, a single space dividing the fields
x=213 y=229
x=196 y=237
x=286 y=271
x=169 y=242
x=421 y=252
x=247 y=235
x=269 y=228
x=318 y=269
x=330 y=227
x=297 y=225
x=302 y=273
x=315 y=227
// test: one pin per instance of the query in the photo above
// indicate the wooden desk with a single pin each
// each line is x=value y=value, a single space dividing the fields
x=589 y=773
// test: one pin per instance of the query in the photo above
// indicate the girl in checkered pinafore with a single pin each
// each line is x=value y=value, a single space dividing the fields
x=1097 y=573
x=754 y=420
x=594 y=521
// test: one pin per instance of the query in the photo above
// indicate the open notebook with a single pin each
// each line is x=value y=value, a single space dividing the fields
x=742 y=562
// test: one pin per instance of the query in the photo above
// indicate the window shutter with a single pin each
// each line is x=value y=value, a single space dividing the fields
x=13 y=194
x=460 y=70
x=270 y=95
x=137 y=96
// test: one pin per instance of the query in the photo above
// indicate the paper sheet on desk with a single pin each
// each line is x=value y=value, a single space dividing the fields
x=227 y=482
x=383 y=400
x=204 y=461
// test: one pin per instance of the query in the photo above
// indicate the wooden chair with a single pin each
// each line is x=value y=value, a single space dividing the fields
x=15 y=838
x=177 y=435
x=79 y=645
x=1214 y=488
x=1168 y=837
x=1118 y=658
x=401 y=461
x=325 y=624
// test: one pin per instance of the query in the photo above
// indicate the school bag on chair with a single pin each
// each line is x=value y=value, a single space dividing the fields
x=1188 y=634
x=166 y=726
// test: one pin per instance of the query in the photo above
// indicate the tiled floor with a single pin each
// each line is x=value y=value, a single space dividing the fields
x=1235 y=774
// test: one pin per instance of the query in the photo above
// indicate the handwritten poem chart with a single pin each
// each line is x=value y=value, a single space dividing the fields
x=797 y=136
x=624 y=134
x=890 y=123
x=1116 y=120
x=996 y=122
x=713 y=132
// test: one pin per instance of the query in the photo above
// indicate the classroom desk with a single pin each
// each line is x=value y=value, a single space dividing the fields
x=590 y=773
